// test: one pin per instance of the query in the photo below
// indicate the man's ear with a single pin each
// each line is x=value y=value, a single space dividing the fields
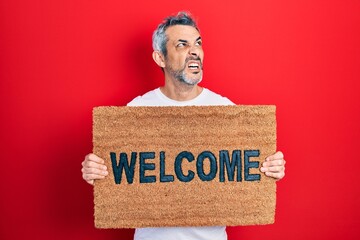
x=158 y=58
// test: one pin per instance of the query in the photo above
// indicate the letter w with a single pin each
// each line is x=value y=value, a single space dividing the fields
x=123 y=165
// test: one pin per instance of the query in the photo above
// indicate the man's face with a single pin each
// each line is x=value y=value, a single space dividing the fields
x=184 y=60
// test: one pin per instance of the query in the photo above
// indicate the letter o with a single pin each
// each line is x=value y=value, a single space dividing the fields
x=200 y=166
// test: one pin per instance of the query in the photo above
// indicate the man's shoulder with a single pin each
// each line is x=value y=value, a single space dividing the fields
x=148 y=99
x=212 y=98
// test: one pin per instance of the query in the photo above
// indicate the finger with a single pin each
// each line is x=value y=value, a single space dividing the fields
x=95 y=171
x=275 y=175
x=90 y=182
x=276 y=156
x=94 y=165
x=274 y=169
x=93 y=161
x=270 y=163
x=91 y=177
x=93 y=158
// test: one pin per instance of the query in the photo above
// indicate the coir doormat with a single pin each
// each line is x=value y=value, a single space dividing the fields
x=184 y=166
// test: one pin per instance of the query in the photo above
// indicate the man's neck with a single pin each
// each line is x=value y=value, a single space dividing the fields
x=180 y=91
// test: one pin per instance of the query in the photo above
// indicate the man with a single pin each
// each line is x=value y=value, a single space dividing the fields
x=178 y=51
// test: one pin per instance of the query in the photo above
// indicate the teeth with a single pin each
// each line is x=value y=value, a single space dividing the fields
x=193 y=65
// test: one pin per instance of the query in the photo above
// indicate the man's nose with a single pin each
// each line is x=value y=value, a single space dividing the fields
x=194 y=51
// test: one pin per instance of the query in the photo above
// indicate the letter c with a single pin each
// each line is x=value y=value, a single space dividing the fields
x=178 y=167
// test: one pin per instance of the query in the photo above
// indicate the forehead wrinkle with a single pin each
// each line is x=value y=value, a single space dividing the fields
x=186 y=41
x=180 y=33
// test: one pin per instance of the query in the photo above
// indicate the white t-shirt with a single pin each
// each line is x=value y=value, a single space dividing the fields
x=157 y=98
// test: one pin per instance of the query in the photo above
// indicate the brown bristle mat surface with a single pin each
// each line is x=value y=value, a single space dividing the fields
x=203 y=198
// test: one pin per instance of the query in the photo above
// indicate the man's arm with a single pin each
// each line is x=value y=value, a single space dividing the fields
x=274 y=166
x=93 y=168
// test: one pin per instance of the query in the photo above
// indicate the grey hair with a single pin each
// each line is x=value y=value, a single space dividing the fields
x=159 y=38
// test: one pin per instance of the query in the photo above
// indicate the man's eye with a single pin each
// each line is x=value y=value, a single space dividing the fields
x=199 y=43
x=181 y=45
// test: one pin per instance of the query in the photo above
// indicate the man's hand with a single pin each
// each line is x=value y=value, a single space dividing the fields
x=274 y=166
x=93 y=168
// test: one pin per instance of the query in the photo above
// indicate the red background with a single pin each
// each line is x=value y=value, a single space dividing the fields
x=59 y=59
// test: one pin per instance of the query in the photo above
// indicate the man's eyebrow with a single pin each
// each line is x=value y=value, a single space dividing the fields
x=185 y=41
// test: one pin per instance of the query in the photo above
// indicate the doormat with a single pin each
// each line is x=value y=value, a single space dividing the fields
x=184 y=166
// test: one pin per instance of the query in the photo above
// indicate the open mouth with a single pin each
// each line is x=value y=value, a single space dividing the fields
x=194 y=66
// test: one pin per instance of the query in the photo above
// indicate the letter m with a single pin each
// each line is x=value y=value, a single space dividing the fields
x=230 y=165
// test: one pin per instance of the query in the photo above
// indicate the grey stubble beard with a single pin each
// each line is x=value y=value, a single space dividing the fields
x=181 y=77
